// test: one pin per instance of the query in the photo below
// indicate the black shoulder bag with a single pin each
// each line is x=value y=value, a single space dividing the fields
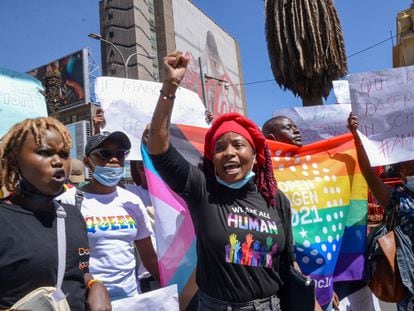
x=298 y=290
x=389 y=265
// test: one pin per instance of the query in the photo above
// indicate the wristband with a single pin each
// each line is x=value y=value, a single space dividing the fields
x=167 y=96
x=91 y=282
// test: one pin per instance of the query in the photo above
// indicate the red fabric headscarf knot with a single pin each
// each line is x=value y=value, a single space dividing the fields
x=235 y=122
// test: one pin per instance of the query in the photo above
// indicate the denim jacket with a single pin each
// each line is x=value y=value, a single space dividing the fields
x=405 y=220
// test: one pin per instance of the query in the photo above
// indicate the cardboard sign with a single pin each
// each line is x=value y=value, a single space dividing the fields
x=384 y=104
x=318 y=122
x=129 y=105
x=341 y=91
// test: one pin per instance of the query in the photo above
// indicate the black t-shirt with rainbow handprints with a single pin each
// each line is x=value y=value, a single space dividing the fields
x=239 y=239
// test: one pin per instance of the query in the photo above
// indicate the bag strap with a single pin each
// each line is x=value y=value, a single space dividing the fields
x=61 y=240
x=78 y=199
x=391 y=217
x=283 y=217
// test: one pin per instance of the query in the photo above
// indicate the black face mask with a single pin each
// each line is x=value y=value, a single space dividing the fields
x=26 y=189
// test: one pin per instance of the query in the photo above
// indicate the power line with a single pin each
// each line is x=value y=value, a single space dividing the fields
x=372 y=46
x=257 y=82
x=349 y=56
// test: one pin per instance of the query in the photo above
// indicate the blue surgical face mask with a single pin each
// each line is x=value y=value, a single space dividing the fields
x=108 y=176
x=410 y=183
x=239 y=184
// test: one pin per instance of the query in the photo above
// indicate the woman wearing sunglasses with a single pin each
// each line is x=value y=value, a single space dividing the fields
x=116 y=219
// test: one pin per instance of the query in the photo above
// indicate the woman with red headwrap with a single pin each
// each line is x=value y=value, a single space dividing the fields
x=233 y=201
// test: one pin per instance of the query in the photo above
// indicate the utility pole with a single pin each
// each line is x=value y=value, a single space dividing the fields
x=124 y=61
x=204 y=78
x=203 y=85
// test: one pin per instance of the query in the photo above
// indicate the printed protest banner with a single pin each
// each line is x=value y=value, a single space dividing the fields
x=318 y=122
x=329 y=205
x=129 y=104
x=19 y=99
x=384 y=104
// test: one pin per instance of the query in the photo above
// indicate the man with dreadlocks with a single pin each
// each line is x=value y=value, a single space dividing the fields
x=233 y=201
x=35 y=157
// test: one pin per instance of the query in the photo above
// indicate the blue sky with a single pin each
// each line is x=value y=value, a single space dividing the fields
x=34 y=32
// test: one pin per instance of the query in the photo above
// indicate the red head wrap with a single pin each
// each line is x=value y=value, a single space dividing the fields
x=235 y=122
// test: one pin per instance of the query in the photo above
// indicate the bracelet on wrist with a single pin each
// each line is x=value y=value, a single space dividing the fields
x=91 y=282
x=167 y=96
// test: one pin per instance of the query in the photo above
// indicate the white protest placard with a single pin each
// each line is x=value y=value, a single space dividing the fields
x=341 y=91
x=19 y=99
x=318 y=122
x=384 y=104
x=165 y=298
x=129 y=104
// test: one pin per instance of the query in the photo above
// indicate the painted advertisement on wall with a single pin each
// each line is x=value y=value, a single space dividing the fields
x=73 y=72
x=213 y=55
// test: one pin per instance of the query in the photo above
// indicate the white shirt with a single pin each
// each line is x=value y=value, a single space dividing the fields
x=146 y=199
x=113 y=222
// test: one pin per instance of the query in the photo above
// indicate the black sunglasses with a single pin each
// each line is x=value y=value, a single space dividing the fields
x=107 y=154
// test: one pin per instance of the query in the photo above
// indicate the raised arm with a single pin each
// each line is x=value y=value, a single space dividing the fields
x=381 y=192
x=175 y=66
x=98 y=121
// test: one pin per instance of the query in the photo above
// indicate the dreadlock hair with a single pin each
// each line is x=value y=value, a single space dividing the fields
x=12 y=142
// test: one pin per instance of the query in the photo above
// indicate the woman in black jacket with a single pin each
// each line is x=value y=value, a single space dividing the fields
x=35 y=160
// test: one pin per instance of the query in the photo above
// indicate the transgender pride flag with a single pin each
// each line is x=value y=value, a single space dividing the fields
x=329 y=207
x=174 y=231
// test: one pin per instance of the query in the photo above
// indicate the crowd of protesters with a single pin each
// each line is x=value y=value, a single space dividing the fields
x=110 y=244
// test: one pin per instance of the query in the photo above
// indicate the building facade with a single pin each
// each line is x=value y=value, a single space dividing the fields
x=140 y=33
x=403 y=51
x=130 y=26
x=144 y=31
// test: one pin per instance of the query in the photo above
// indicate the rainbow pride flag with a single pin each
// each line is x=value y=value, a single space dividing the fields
x=328 y=196
x=329 y=207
